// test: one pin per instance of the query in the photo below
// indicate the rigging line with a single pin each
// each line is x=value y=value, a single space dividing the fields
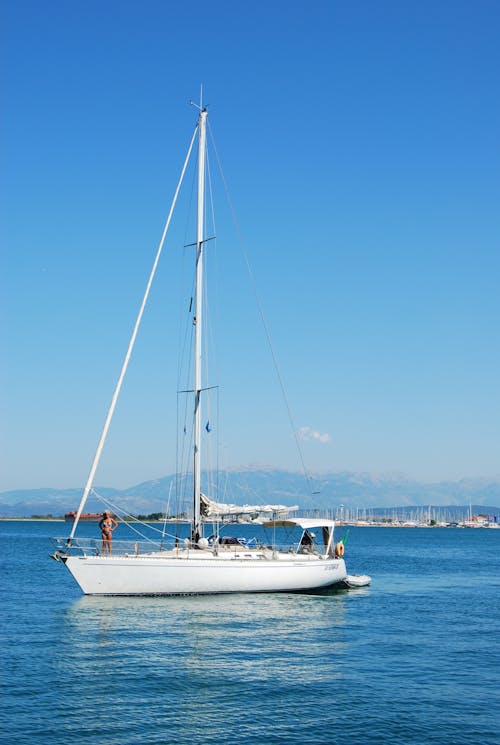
x=209 y=315
x=134 y=519
x=182 y=344
x=209 y=174
x=208 y=335
x=186 y=331
x=183 y=451
x=184 y=359
x=189 y=210
x=127 y=514
x=217 y=446
x=261 y=313
x=167 y=510
x=189 y=365
x=183 y=447
x=116 y=393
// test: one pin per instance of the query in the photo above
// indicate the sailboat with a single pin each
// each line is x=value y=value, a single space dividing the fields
x=199 y=564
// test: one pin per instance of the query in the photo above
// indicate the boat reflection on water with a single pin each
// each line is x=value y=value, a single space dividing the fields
x=196 y=665
x=260 y=637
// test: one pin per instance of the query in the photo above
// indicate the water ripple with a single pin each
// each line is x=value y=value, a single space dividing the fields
x=413 y=659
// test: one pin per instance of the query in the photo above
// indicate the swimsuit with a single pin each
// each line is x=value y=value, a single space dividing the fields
x=106 y=529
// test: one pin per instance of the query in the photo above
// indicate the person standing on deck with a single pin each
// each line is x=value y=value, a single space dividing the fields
x=107 y=524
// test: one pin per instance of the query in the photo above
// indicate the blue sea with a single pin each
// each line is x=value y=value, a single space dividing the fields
x=414 y=658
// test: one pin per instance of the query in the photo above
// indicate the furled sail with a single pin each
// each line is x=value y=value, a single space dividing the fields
x=210 y=508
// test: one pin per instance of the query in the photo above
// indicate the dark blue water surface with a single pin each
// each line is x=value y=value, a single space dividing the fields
x=412 y=659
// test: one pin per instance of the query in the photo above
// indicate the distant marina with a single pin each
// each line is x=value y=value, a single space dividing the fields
x=412 y=517
x=415 y=517
x=477 y=521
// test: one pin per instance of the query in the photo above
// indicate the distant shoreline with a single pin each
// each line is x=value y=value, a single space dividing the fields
x=339 y=524
x=62 y=520
x=33 y=519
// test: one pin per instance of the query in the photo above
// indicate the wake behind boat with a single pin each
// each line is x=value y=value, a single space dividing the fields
x=299 y=560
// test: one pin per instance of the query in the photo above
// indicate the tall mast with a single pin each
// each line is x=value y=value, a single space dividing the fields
x=197 y=524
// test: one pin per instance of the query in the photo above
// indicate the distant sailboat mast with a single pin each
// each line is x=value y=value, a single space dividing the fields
x=197 y=529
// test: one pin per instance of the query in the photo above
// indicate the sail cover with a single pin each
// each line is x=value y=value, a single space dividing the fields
x=210 y=508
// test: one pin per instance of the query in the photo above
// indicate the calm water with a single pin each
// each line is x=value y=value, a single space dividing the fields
x=412 y=659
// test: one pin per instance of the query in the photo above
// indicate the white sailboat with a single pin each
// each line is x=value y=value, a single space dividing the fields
x=198 y=564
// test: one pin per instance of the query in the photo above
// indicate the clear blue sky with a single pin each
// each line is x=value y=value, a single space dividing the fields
x=360 y=141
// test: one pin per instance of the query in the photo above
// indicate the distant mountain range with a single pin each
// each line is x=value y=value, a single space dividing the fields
x=326 y=491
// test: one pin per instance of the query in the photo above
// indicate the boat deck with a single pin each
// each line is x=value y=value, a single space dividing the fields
x=149 y=550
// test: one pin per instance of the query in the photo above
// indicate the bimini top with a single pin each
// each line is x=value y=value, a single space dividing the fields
x=304 y=522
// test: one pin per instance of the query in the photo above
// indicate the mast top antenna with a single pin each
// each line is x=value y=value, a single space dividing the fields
x=199 y=106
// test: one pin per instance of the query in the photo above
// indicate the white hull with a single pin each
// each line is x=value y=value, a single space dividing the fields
x=203 y=573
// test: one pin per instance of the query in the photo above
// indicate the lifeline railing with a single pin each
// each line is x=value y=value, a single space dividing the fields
x=94 y=547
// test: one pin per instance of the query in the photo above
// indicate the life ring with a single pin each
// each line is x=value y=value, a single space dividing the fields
x=339 y=550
